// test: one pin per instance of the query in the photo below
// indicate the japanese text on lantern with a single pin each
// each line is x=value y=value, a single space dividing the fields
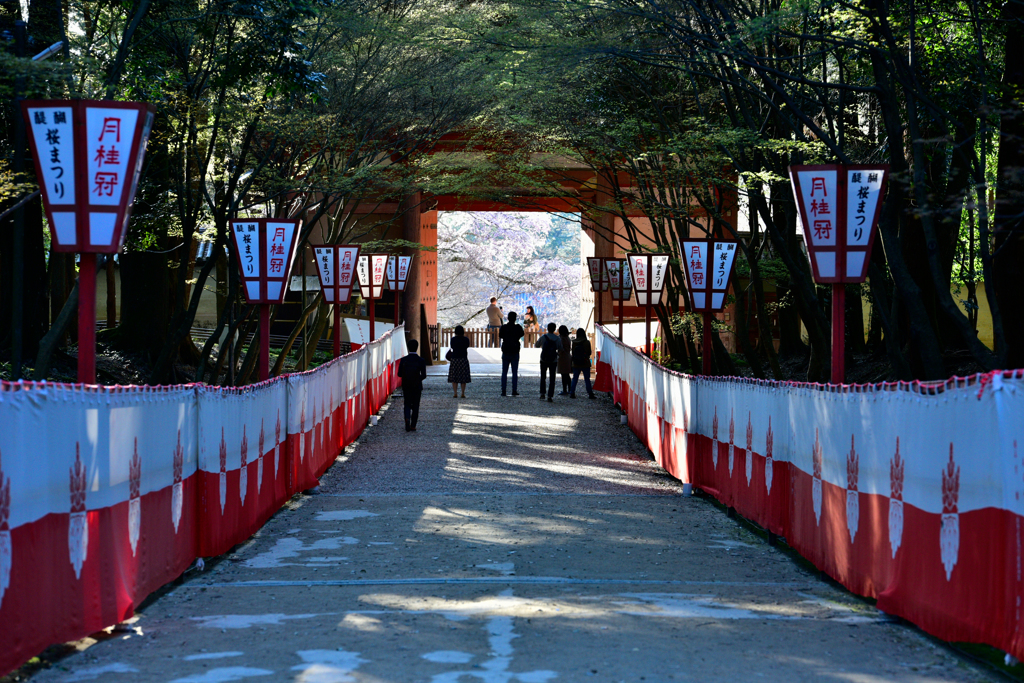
x=821 y=209
x=108 y=155
x=277 y=248
x=696 y=266
x=52 y=130
x=641 y=274
x=723 y=261
x=820 y=204
x=249 y=248
x=864 y=190
x=109 y=135
x=325 y=263
x=345 y=268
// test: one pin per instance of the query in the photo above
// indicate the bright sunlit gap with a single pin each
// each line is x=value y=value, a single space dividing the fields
x=523 y=259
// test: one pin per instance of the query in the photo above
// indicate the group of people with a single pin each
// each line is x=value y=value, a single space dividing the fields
x=559 y=354
x=496 y=318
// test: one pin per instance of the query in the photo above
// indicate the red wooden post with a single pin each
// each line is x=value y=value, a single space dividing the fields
x=838 y=333
x=706 y=344
x=265 y=342
x=600 y=300
x=398 y=299
x=87 y=319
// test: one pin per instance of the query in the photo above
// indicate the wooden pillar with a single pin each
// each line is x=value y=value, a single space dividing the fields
x=409 y=211
x=604 y=236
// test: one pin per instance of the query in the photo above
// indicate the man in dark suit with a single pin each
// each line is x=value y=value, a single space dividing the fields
x=510 y=334
x=413 y=370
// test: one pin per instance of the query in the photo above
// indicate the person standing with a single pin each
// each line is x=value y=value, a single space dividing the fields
x=564 y=359
x=530 y=320
x=458 y=368
x=413 y=370
x=549 y=344
x=581 y=363
x=510 y=334
x=494 y=321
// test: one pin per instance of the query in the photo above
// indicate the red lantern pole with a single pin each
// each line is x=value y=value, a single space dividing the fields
x=706 y=344
x=600 y=300
x=398 y=300
x=838 y=333
x=264 y=342
x=87 y=318
x=336 y=254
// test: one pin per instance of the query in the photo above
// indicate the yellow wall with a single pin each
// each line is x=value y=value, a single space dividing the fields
x=984 y=314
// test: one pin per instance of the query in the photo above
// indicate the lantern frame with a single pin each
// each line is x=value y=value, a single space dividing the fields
x=367 y=289
x=263 y=279
x=652 y=295
x=397 y=272
x=840 y=261
x=601 y=282
x=624 y=291
x=707 y=297
x=80 y=217
x=341 y=292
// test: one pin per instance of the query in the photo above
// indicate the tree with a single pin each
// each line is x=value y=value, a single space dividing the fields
x=526 y=257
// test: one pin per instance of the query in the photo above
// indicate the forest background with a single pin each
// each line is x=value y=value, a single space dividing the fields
x=313 y=107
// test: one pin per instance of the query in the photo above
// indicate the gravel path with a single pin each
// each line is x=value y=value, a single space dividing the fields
x=507 y=540
x=494 y=444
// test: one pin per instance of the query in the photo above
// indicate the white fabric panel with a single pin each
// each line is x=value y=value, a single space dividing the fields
x=864 y=421
x=43 y=424
x=1008 y=396
x=239 y=412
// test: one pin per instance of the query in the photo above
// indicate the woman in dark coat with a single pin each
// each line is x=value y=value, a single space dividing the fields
x=564 y=359
x=458 y=368
x=581 y=363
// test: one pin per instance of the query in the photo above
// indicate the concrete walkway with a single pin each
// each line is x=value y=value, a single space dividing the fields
x=506 y=540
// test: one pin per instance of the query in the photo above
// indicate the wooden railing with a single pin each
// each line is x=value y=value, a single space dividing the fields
x=482 y=338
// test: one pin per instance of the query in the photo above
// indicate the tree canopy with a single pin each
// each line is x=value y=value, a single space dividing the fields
x=316 y=107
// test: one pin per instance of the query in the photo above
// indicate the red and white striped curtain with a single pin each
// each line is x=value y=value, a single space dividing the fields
x=910 y=493
x=107 y=493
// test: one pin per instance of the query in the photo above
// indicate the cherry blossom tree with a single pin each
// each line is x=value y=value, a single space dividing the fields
x=521 y=258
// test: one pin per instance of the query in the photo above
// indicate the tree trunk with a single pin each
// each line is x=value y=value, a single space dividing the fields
x=1008 y=228
x=743 y=332
x=145 y=310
